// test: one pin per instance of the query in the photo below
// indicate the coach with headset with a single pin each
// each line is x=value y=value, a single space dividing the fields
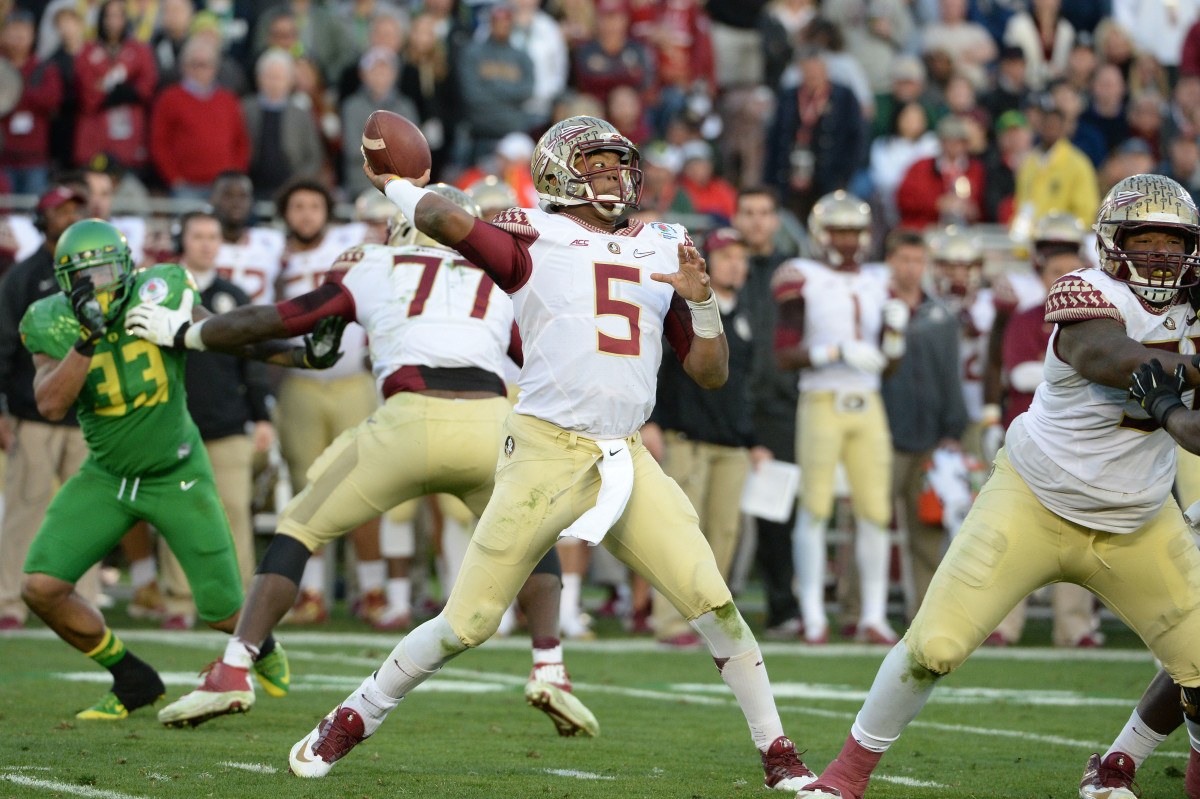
x=41 y=454
x=227 y=397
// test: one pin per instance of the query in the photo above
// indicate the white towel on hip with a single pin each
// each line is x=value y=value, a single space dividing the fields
x=616 y=485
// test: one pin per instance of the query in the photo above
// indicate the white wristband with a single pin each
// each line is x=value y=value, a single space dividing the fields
x=405 y=195
x=823 y=354
x=191 y=337
x=706 y=317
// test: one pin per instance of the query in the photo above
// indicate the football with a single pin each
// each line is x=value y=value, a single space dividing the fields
x=395 y=146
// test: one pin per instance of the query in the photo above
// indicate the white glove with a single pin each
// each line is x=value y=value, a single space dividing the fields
x=864 y=357
x=895 y=315
x=1192 y=517
x=990 y=442
x=159 y=324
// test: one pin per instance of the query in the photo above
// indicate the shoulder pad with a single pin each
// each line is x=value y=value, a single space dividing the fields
x=1074 y=299
x=348 y=258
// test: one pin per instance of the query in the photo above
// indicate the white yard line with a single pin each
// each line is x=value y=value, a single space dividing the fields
x=66 y=787
x=579 y=775
x=257 y=767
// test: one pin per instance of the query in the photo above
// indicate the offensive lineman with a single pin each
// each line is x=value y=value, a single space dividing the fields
x=1100 y=516
x=593 y=300
x=439 y=330
x=145 y=457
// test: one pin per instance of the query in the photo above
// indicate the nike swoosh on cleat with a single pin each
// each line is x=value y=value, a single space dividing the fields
x=186 y=486
x=302 y=755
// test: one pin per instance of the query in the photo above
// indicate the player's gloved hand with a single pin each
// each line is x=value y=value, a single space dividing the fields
x=322 y=346
x=863 y=356
x=896 y=315
x=161 y=325
x=1159 y=394
x=92 y=324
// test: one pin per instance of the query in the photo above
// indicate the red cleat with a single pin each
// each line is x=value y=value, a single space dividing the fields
x=334 y=737
x=1110 y=778
x=783 y=768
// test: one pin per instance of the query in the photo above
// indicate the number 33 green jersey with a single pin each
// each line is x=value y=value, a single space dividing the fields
x=133 y=406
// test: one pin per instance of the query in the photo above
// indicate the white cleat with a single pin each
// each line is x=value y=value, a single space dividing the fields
x=569 y=715
x=330 y=741
x=226 y=689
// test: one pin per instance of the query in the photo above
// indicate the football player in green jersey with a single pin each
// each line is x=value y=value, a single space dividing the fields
x=146 y=459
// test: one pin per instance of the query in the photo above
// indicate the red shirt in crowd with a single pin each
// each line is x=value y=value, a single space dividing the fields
x=119 y=130
x=195 y=138
x=27 y=128
x=926 y=181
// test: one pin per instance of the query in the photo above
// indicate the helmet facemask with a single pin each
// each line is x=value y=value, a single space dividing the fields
x=109 y=274
x=1155 y=276
x=563 y=176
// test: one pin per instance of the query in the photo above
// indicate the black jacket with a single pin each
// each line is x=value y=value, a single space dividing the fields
x=23 y=285
x=224 y=392
x=774 y=391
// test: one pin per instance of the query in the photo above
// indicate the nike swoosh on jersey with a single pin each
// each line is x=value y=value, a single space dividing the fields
x=637 y=254
x=186 y=486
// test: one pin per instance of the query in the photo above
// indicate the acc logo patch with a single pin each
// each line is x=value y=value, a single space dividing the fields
x=509 y=446
x=153 y=290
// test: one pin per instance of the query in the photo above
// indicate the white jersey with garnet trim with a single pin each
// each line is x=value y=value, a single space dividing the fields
x=423 y=306
x=592 y=320
x=253 y=263
x=305 y=271
x=1088 y=451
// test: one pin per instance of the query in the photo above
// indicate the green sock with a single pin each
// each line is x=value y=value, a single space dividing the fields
x=110 y=651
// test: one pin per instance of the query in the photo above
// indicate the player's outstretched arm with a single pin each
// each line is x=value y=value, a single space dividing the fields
x=1161 y=395
x=1100 y=351
x=707 y=360
x=433 y=215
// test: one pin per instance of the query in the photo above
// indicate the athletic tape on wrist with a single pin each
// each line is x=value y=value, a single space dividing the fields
x=706 y=317
x=405 y=195
x=191 y=339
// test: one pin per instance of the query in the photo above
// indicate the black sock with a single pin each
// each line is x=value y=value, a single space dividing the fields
x=268 y=646
x=135 y=682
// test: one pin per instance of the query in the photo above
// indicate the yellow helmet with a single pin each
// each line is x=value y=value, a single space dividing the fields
x=402 y=232
x=1149 y=201
x=840 y=210
x=560 y=173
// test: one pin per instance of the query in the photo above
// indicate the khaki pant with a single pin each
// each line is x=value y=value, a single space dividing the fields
x=312 y=413
x=712 y=477
x=43 y=456
x=924 y=542
x=232 y=461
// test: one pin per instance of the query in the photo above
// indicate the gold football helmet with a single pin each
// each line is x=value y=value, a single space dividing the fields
x=561 y=175
x=493 y=195
x=402 y=232
x=840 y=210
x=957 y=263
x=1155 y=202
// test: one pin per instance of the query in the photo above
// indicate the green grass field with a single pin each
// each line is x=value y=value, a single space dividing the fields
x=1012 y=723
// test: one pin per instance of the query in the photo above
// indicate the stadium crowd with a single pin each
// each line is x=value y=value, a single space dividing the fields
x=954 y=151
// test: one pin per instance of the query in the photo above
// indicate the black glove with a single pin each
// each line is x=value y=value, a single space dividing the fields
x=121 y=94
x=321 y=347
x=1159 y=394
x=92 y=325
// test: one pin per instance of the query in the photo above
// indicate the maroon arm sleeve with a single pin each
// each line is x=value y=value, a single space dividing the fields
x=789 y=330
x=677 y=327
x=301 y=314
x=514 y=346
x=501 y=248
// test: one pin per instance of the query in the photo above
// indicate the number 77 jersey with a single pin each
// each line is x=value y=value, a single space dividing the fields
x=132 y=406
x=425 y=309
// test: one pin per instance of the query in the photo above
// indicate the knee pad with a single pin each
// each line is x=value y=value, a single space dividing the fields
x=286 y=557
x=1189 y=700
x=939 y=656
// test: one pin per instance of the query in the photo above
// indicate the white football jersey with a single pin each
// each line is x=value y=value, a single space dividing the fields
x=253 y=263
x=1088 y=451
x=305 y=271
x=425 y=306
x=592 y=320
x=839 y=306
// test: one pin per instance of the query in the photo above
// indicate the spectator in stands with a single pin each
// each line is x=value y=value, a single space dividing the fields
x=41 y=454
x=1113 y=45
x=143 y=18
x=388 y=31
x=1055 y=177
x=196 y=129
x=611 y=58
x=1107 y=110
x=924 y=402
x=1183 y=163
x=509 y=162
x=495 y=81
x=1182 y=116
x=1145 y=115
x=284 y=140
x=230 y=75
x=167 y=44
x=50 y=36
x=226 y=397
x=1014 y=141
x=818 y=139
x=960 y=101
x=358 y=16
x=705 y=439
x=1157 y=26
x=1010 y=88
x=69 y=26
x=774 y=393
x=661 y=165
x=537 y=34
x=944 y=189
x=1081 y=64
x=970 y=46
x=706 y=191
x=1045 y=36
x=116 y=77
x=322 y=104
x=876 y=33
x=842 y=67
x=908 y=140
x=626 y=113
x=907 y=86
x=426 y=80
x=1132 y=157
x=1082 y=134
x=25 y=155
x=318 y=30
x=1189 y=58
x=379 y=69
